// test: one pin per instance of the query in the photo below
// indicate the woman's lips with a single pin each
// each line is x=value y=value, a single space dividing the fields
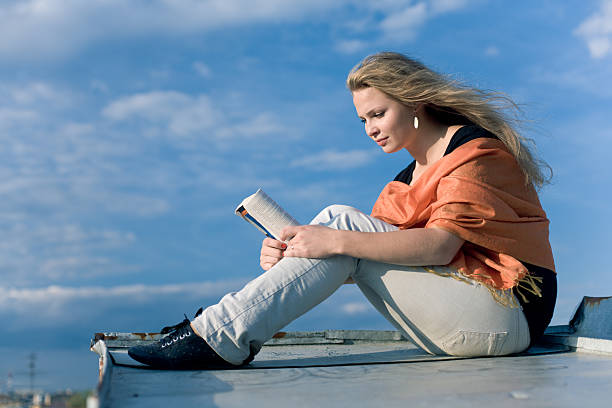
x=383 y=141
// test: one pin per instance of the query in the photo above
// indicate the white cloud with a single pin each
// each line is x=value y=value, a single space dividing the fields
x=56 y=166
x=73 y=189
x=599 y=46
x=197 y=116
x=445 y=6
x=491 y=51
x=585 y=77
x=398 y=21
x=350 y=46
x=403 y=19
x=15 y=299
x=34 y=29
x=23 y=102
x=53 y=306
x=77 y=129
x=353 y=308
x=56 y=176
x=202 y=69
x=334 y=160
x=150 y=105
x=34 y=92
x=11 y=116
x=404 y=24
x=261 y=124
x=169 y=113
x=597 y=30
x=99 y=86
x=43 y=29
x=43 y=251
x=315 y=196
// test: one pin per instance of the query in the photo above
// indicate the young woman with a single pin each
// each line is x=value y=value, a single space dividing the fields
x=455 y=253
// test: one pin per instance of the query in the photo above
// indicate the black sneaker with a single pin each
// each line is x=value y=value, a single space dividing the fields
x=181 y=349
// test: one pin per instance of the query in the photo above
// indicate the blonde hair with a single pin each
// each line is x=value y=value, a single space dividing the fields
x=450 y=102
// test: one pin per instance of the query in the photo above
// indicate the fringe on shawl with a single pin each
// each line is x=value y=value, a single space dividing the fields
x=507 y=297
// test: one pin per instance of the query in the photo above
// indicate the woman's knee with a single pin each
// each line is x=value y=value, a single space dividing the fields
x=344 y=217
x=330 y=212
x=337 y=209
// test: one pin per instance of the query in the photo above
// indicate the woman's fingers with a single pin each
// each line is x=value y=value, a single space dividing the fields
x=271 y=253
x=273 y=243
x=266 y=261
x=273 y=250
x=289 y=232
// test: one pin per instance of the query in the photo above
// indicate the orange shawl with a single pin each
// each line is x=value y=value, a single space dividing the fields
x=477 y=193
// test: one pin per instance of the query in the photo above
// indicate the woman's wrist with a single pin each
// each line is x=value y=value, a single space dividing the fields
x=342 y=241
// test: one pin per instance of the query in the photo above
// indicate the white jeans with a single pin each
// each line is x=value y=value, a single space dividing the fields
x=440 y=314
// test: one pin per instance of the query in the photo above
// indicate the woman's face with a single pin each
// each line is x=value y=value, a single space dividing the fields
x=387 y=122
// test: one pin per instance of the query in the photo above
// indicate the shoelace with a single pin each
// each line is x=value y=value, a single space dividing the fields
x=178 y=331
x=176 y=327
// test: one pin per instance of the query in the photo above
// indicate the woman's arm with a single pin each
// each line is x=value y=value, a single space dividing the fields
x=416 y=246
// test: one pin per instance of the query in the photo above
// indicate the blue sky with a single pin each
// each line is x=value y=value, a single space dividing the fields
x=130 y=130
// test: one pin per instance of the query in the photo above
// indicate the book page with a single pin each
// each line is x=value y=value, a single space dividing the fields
x=265 y=214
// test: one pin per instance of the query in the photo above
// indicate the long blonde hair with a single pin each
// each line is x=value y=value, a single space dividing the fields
x=450 y=102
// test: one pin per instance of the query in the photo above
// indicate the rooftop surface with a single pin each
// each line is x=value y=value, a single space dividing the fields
x=345 y=368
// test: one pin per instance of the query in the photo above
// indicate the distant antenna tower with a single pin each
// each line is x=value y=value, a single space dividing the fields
x=9 y=382
x=32 y=366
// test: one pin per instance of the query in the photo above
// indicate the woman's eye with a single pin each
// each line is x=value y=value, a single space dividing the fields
x=379 y=114
x=362 y=120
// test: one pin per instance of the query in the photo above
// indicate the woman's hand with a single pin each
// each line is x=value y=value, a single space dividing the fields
x=271 y=253
x=311 y=241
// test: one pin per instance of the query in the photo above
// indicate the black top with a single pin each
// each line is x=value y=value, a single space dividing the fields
x=538 y=310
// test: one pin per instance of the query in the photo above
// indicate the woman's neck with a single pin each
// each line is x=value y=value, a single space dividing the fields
x=433 y=144
x=432 y=138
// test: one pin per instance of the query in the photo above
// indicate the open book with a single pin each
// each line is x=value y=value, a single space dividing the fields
x=263 y=212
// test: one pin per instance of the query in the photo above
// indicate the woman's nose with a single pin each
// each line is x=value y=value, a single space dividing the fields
x=371 y=131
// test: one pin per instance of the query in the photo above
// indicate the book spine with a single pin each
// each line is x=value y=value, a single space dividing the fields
x=245 y=214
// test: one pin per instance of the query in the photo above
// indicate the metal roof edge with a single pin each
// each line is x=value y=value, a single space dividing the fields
x=334 y=337
x=592 y=318
x=580 y=343
x=589 y=330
